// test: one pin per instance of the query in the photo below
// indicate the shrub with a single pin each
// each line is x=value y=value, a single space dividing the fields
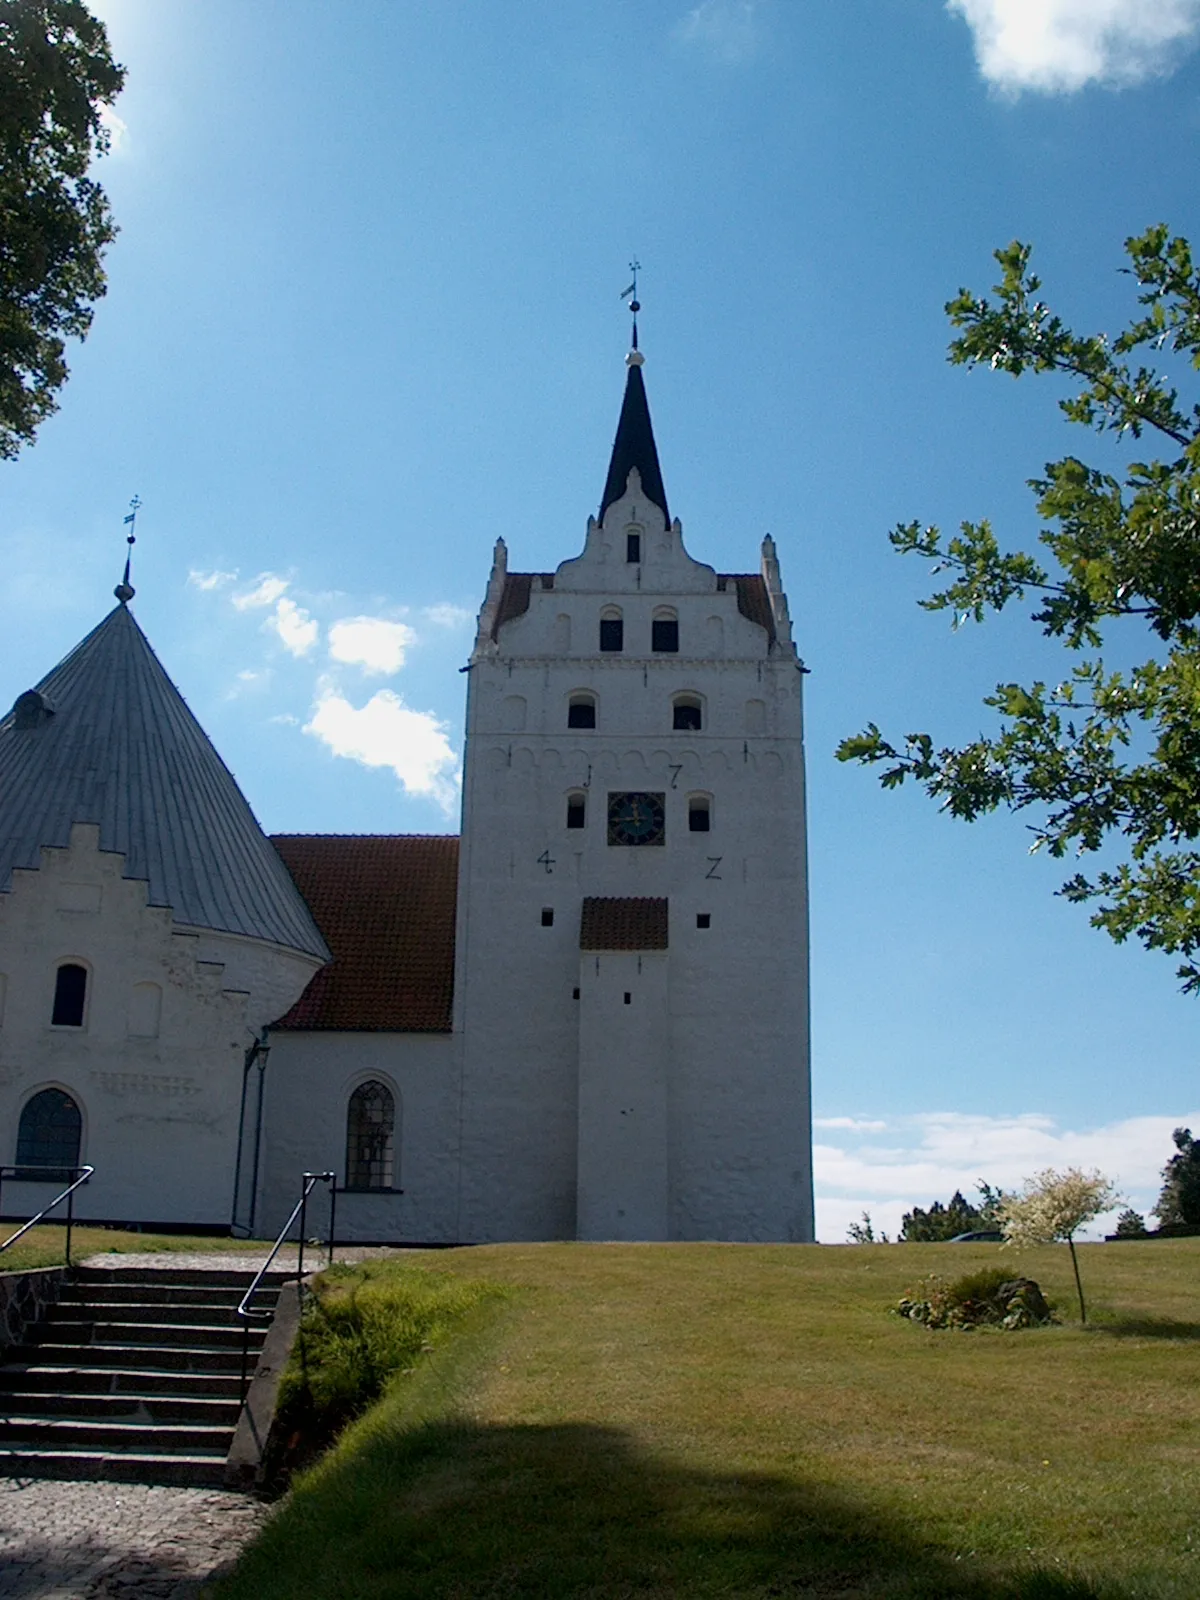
x=989 y=1298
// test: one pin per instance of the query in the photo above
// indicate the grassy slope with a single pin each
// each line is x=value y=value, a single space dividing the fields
x=742 y=1420
x=43 y=1246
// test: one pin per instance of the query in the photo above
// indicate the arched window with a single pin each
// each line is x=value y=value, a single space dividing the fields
x=687 y=714
x=577 y=809
x=370 y=1137
x=699 y=813
x=664 y=631
x=581 y=711
x=49 y=1132
x=612 y=629
x=70 y=996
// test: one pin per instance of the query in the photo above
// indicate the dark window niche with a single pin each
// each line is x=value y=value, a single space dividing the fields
x=581 y=714
x=547 y=916
x=699 y=819
x=70 y=996
x=686 y=719
x=574 y=994
x=628 y=998
x=704 y=919
x=664 y=636
x=612 y=633
x=576 y=813
x=633 y=547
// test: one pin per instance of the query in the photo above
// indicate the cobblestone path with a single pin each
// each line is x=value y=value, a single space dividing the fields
x=117 y=1541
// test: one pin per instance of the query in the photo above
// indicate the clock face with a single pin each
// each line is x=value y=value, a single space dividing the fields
x=636 y=819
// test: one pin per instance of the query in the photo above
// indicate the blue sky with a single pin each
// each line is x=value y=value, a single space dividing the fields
x=363 y=317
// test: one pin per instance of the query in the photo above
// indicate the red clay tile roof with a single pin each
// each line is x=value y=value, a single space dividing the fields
x=385 y=903
x=753 y=600
x=617 y=923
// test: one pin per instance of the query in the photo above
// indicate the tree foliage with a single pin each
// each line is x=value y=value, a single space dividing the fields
x=56 y=76
x=1102 y=758
x=943 y=1222
x=1179 y=1201
x=1052 y=1207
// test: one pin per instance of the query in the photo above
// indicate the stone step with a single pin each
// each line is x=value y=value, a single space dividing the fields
x=200 y=1470
x=187 y=1358
x=177 y=1294
x=163 y=1438
x=156 y=1313
x=200 y=1335
x=210 y=1278
x=146 y=1408
x=47 y=1377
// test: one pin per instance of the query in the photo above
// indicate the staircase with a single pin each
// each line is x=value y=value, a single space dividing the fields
x=135 y=1374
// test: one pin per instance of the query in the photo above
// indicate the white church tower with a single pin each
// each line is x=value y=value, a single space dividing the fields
x=631 y=990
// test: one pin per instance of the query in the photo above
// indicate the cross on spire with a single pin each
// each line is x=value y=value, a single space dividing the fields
x=125 y=590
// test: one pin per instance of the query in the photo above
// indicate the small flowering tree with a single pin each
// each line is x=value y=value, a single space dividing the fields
x=1052 y=1207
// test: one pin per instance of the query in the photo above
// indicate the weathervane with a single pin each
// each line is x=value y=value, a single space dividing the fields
x=635 y=266
x=125 y=590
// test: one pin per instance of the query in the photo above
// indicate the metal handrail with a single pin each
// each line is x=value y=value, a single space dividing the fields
x=300 y=1209
x=68 y=1194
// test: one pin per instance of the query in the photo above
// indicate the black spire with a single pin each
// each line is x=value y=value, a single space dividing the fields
x=634 y=445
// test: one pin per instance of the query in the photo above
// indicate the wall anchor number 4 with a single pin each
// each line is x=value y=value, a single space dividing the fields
x=547 y=860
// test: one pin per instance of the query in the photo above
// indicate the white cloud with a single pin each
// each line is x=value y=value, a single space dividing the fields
x=387 y=733
x=916 y=1160
x=297 y=630
x=216 y=579
x=444 y=615
x=373 y=643
x=268 y=587
x=1061 y=45
x=726 y=29
x=117 y=130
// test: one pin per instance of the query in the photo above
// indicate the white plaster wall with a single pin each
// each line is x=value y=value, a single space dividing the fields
x=160 y=1113
x=310 y=1077
x=624 y=1067
x=740 y=1141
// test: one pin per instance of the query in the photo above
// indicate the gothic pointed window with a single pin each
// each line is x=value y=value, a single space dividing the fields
x=70 y=996
x=49 y=1132
x=370 y=1137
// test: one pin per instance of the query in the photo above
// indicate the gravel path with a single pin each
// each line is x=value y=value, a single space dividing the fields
x=232 y=1261
x=117 y=1541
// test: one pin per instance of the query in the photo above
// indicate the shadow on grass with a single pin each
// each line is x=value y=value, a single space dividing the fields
x=548 y=1513
x=1118 y=1327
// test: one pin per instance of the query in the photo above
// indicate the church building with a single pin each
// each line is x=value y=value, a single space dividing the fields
x=584 y=1018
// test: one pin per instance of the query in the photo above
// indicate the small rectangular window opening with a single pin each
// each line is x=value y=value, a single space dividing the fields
x=704 y=919
x=664 y=636
x=70 y=996
x=633 y=547
x=698 y=817
x=574 y=994
x=612 y=633
x=628 y=998
x=686 y=719
x=576 y=813
x=547 y=916
x=581 y=714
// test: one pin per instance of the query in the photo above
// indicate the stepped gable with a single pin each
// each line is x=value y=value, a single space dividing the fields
x=386 y=904
x=106 y=738
x=753 y=600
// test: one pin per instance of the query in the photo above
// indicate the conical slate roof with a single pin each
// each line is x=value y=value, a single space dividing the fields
x=634 y=446
x=107 y=738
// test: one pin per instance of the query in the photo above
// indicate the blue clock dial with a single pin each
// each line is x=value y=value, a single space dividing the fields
x=636 y=819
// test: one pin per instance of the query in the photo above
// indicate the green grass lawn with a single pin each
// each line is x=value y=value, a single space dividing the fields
x=43 y=1246
x=668 y=1420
